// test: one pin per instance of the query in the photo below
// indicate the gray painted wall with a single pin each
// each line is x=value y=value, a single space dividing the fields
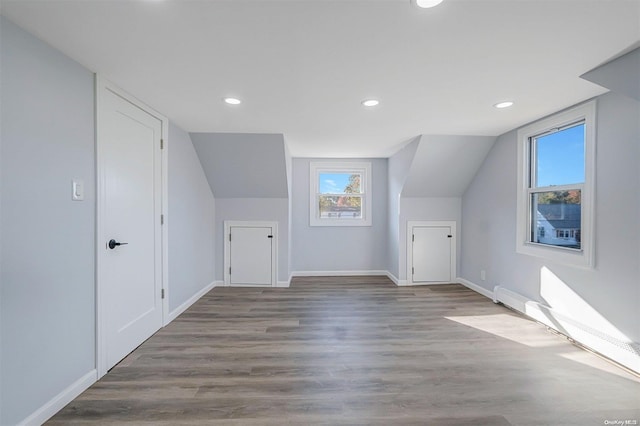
x=243 y=165
x=191 y=221
x=47 y=247
x=611 y=288
x=253 y=209
x=399 y=166
x=445 y=165
x=619 y=75
x=322 y=248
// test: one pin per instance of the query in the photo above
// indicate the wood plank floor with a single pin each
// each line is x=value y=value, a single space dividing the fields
x=356 y=351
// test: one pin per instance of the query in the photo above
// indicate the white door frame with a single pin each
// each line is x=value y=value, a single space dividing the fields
x=227 y=247
x=431 y=223
x=101 y=346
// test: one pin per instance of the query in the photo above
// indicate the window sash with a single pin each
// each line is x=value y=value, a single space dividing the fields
x=532 y=222
x=363 y=216
x=533 y=152
x=583 y=258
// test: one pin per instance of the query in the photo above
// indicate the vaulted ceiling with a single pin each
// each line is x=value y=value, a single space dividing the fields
x=302 y=67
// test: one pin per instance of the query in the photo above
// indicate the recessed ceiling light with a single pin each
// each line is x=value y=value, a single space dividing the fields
x=505 y=104
x=425 y=4
x=370 y=102
x=233 y=101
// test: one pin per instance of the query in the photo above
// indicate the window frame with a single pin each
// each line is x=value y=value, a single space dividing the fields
x=583 y=257
x=316 y=168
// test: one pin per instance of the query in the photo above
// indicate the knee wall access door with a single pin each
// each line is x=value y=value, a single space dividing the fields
x=431 y=252
x=250 y=253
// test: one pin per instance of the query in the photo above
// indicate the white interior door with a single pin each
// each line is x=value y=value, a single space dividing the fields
x=130 y=267
x=432 y=254
x=251 y=255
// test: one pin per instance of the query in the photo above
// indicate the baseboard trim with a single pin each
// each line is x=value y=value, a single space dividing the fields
x=475 y=287
x=59 y=401
x=337 y=273
x=187 y=304
x=283 y=284
x=393 y=278
x=624 y=353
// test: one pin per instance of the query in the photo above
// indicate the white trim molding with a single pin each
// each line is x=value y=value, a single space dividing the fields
x=59 y=401
x=583 y=257
x=363 y=168
x=187 y=304
x=338 y=273
x=396 y=280
x=475 y=287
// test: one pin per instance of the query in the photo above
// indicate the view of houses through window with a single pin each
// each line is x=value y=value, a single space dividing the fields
x=340 y=195
x=557 y=175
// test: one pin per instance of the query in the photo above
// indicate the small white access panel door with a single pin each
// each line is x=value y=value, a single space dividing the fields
x=251 y=254
x=432 y=254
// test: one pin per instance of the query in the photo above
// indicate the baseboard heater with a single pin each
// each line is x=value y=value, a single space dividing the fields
x=624 y=353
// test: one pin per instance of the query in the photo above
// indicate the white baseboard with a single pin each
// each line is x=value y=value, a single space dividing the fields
x=475 y=287
x=624 y=353
x=392 y=278
x=283 y=284
x=59 y=401
x=336 y=273
x=193 y=299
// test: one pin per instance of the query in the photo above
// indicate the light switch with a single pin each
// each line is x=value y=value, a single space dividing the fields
x=77 y=187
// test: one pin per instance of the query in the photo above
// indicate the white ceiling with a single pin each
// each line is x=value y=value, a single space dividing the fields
x=302 y=67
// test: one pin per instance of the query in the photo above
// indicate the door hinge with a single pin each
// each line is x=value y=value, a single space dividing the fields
x=413 y=238
x=229 y=236
x=413 y=271
x=229 y=270
x=161 y=143
x=161 y=219
x=162 y=293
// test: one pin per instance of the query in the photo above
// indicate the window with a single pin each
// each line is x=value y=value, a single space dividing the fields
x=555 y=186
x=340 y=194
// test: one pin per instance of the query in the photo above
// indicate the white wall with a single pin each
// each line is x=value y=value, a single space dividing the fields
x=399 y=165
x=253 y=209
x=191 y=221
x=323 y=248
x=47 y=246
x=607 y=297
x=431 y=209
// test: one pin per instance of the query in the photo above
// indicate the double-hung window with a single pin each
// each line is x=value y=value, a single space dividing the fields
x=340 y=193
x=555 y=187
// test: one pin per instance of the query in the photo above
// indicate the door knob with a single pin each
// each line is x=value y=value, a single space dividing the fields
x=113 y=244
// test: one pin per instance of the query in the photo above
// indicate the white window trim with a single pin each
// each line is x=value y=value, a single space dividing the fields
x=317 y=167
x=585 y=256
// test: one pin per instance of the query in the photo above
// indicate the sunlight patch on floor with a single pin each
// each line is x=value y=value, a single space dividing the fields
x=510 y=327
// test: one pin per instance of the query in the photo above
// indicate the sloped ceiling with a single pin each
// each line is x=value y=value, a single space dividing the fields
x=621 y=75
x=444 y=166
x=241 y=165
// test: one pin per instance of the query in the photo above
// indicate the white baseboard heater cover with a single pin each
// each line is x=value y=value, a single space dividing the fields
x=625 y=353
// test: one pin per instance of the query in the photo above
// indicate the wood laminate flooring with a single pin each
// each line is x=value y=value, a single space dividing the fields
x=356 y=351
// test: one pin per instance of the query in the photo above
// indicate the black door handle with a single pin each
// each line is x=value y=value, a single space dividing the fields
x=113 y=244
